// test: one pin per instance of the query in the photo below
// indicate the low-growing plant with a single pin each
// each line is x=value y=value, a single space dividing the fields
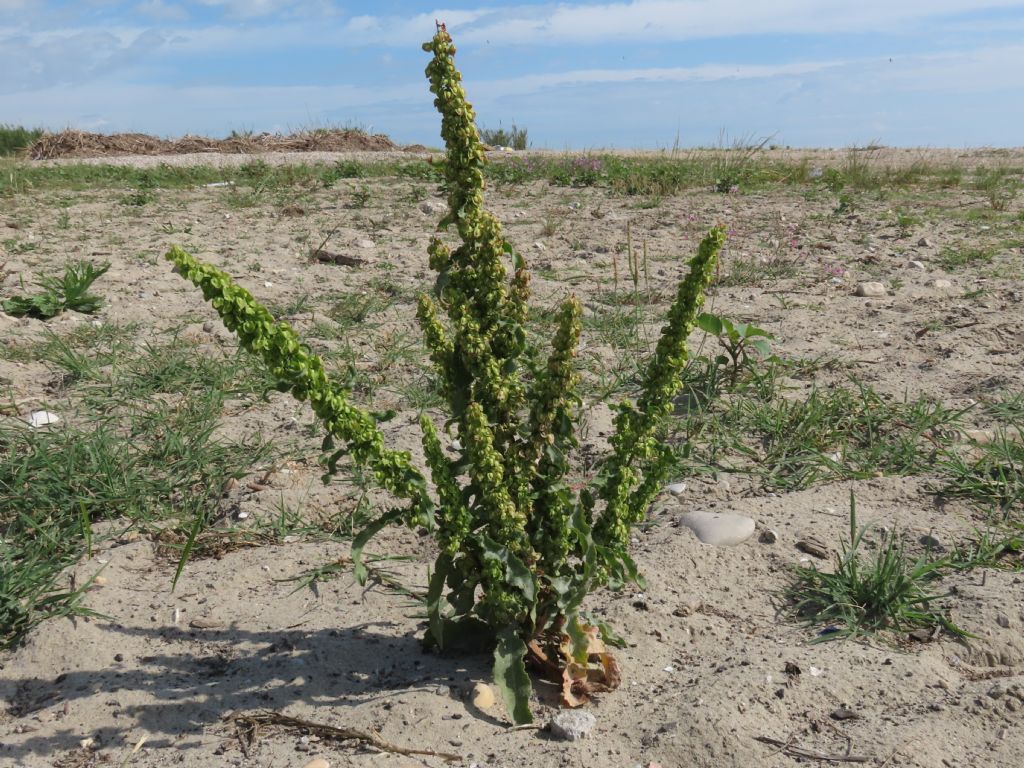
x=992 y=477
x=520 y=546
x=514 y=137
x=15 y=139
x=69 y=292
x=998 y=185
x=737 y=339
x=866 y=596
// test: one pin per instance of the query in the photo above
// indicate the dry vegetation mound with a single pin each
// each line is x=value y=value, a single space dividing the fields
x=71 y=143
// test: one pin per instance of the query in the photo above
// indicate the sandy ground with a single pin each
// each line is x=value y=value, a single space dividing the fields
x=710 y=668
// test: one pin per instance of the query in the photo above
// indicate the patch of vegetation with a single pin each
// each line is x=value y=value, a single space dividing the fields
x=143 y=451
x=60 y=294
x=15 y=139
x=514 y=137
x=866 y=596
x=954 y=258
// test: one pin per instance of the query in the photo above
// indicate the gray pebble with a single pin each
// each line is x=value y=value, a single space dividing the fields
x=870 y=289
x=572 y=725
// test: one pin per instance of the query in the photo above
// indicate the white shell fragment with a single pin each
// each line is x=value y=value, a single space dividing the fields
x=42 y=418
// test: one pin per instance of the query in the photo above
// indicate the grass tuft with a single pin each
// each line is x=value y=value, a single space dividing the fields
x=863 y=597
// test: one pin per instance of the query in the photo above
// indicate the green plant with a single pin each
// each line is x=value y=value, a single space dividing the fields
x=954 y=257
x=361 y=197
x=514 y=137
x=520 y=548
x=15 y=139
x=59 y=294
x=862 y=598
x=992 y=476
x=737 y=339
x=998 y=185
x=144 y=193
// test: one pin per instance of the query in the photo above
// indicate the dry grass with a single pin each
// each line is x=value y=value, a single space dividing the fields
x=71 y=143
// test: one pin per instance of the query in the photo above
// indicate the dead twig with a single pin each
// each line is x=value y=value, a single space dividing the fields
x=793 y=751
x=249 y=725
x=328 y=257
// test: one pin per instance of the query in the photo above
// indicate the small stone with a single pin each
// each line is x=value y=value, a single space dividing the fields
x=916 y=264
x=118 y=657
x=939 y=284
x=924 y=242
x=688 y=607
x=997 y=691
x=317 y=762
x=813 y=546
x=483 y=696
x=768 y=536
x=676 y=488
x=844 y=713
x=720 y=529
x=572 y=725
x=206 y=622
x=433 y=207
x=365 y=244
x=42 y=418
x=100 y=581
x=930 y=542
x=539 y=247
x=870 y=289
x=208 y=326
x=1003 y=621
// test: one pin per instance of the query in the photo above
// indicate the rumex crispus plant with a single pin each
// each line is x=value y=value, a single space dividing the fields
x=519 y=546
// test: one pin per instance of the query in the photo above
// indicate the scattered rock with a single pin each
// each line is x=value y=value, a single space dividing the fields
x=572 y=725
x=813 y=547
x=768 y=536
x=916 y=264
x=870 y=289
x=722 y=529
x=844 y=713
x=483 y=696
x=365 y=244
x=688 y=607
x=205 y=622
x=939 y=284
x=539 y=247
x=932 y=543
x=317 y=762
x=433 y=207
x=924 y=242
x=42 y=418
x=676 y=488
x=1003 y=621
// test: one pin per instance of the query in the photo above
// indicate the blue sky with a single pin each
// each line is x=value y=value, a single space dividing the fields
x=580 y=75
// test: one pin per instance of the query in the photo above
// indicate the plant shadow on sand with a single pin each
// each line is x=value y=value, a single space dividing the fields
x=186 y=698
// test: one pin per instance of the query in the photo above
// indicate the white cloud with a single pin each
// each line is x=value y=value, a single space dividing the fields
x=253 y=9
x=669 y=20
x=63 y=57
x=161 y=11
